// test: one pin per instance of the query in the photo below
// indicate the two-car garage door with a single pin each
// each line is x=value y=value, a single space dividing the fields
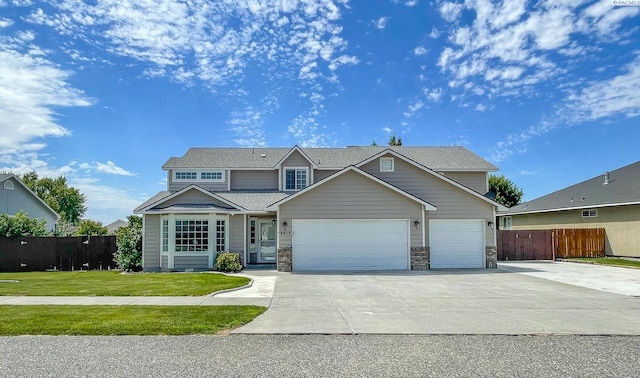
x=350 y=245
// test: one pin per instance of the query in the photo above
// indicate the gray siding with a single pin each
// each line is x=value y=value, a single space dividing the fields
x=212 y=186
x=254 y=180
x=20 y=199
x=191 y=262
x=193 y=197
x=474 y=180
x=322 y=174
x=451 y=201
x=151 y=250
x=235 y=233
x=351 y=196
x=295 y=160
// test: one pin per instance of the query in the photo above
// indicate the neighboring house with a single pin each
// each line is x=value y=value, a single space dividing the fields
x=610 y=201
x=353 y=208
x=115 y=225
x=15 y=197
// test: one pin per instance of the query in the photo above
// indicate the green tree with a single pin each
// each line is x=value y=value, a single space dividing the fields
x=66 y=200
x=90 y=227
x=507 y=193
x=128 y=257
x=21 y=225
x=393 y=141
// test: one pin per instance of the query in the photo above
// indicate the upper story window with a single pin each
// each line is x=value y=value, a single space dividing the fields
x=386 y=164
x=198 y=175
x=296 y=178
x=591 y=213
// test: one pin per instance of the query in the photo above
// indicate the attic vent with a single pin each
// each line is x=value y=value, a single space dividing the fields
x=8 y=185
x=606 y=178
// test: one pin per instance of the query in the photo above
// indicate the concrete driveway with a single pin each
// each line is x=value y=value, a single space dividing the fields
x=504 y=301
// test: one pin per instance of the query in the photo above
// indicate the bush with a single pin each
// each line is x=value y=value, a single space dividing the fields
x=21 y=225
x=229 y=262
x=129 y=241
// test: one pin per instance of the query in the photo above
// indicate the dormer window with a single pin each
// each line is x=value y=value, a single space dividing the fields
x=386 y=164
x=296 y=178
x=199 y=176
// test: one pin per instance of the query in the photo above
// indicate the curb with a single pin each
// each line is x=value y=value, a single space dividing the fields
x=233 y=289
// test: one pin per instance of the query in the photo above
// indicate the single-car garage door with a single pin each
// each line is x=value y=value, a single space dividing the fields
x=456 y=243
x=350 y=244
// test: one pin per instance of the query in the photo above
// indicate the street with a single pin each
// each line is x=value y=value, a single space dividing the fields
x=320 y=356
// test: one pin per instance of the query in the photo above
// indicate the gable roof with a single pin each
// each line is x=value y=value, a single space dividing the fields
x=426 y=204
x=390 y=151
x=163 y=197
x=294 y=149
x=438 y=158
x=623 y=188
x=4 y=177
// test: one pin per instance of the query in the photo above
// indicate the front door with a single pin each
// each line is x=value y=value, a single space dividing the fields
x=266 y=241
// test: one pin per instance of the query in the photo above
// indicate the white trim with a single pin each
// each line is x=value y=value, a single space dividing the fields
x=145 y=210
x=228 y=180
x=144 y=244
x=286 y=156
x=284 y=181
x=424 y=229
x=432 y=172
x=508 y=213
x=382 y=164
x=246 y=240
x=275 y=205
x=8 y=185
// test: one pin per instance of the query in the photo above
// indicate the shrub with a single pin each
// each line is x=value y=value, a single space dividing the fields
x=229 y=262
x=21 y=225
x=129 y=241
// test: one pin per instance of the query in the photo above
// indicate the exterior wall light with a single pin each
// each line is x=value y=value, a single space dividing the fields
x=490 y=224
x=417 y=224
x=284 y=225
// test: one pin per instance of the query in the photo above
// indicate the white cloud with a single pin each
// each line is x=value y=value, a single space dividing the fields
x=481 y=107
x=381 y=23
x=413 y=108
x=387 y=130
x=418 y=51
x=249 y=126
x=109 y=168
x=450 y=11
x=433 y=95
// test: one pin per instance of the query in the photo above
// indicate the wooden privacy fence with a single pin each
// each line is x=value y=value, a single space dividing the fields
x=550 y=244
x=67 y=253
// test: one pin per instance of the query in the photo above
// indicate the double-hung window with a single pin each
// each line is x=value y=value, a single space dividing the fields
x=295 y=178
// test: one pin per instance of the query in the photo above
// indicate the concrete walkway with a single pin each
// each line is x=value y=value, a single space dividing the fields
x=259 y=294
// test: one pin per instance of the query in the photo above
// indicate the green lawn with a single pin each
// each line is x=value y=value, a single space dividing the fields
x=609 y=261
x=111 y=283
x=123 y=320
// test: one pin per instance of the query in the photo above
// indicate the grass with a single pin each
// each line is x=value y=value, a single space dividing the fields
x=123 y=320
x=609 y=261
x=110 y=283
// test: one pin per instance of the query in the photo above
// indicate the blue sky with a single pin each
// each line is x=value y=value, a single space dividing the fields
x=105 y=91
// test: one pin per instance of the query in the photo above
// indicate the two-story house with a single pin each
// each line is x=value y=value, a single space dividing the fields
x=352 y=208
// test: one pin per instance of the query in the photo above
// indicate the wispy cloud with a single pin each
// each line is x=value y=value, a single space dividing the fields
x=418 y=51
x=109 y=168
x=381 y=23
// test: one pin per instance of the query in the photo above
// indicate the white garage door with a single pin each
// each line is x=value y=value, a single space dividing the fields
x=457 y=243
x=350 y=245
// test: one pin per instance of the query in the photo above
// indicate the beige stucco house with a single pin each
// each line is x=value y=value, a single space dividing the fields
x=353 y=208
x=610 y=201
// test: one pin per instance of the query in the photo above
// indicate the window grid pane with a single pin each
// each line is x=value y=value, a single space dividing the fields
x=301 y=179
x=220 y=232
x=290 y=179
x=192 y=235
x=186 y=175
x=211 y=175
x=165 y=235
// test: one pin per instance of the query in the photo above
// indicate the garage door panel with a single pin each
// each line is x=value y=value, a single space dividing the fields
x=456 y=243
x=350 y=245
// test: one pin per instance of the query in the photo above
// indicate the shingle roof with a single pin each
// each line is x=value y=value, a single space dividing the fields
x=436 y=158
x=251 y=201
x=623 y=188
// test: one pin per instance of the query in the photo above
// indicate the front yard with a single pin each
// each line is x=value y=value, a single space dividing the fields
x=119 y=320
x=112 y=283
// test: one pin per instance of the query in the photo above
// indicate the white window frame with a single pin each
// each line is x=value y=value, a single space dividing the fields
x=8 y=185
x=296 y=169
x=505 y=223
x=590 y=213
x=384 y=164
x=199 y=173
x=212 y=236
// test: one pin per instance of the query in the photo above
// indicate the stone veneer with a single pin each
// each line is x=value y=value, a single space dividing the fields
x=284 y=259
x=492 y=257
x=420 y=258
